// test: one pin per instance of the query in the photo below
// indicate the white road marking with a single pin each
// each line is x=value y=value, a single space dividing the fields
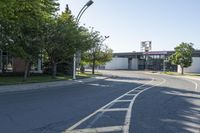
x=124 y=80
x=110 y=103
x=99 y=85
x=97 y=130
x=130 y=94
x=107 y=106
x=187 y=79
x=196 y=85
x=128 y=115
x=123 y=101
x=138 y=90
x=114 y=109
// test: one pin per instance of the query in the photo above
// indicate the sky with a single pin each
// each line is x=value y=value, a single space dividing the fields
x=166 y=23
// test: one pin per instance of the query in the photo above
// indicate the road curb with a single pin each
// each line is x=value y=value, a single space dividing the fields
x=194 y=80
x=46 y=85
x=186 y=77
x=183 y=77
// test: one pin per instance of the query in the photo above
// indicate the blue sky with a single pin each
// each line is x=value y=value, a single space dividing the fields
x=128 y=22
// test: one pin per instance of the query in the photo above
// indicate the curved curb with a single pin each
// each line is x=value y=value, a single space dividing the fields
x=46 y=85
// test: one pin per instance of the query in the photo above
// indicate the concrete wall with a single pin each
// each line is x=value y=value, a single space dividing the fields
x=134 y=65
x=194 y=68
x=117 y=63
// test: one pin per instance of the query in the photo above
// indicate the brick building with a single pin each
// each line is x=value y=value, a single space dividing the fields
x=16 y=65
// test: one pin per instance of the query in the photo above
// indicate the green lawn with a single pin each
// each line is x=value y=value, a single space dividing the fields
x=11 y=80
x=171 y=73
x=88 y=73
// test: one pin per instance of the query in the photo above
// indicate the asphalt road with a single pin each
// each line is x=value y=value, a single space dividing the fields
x=132 y=102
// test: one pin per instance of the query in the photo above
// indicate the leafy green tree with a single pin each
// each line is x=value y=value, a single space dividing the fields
x=31 y=28
x=98 y=54
x=6 y=22
x=182 y=56
x=63 y=38
x=57 y=40
x=22 y=27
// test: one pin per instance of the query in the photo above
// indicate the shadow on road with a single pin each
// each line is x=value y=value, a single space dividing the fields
x=56 y=109
x=167 y=110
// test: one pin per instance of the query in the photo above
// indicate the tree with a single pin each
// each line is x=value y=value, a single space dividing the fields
x=22 y=26
x=98 y=54
x=63 y=38
x=6 y=22
x=182 y=56
x=31 y=28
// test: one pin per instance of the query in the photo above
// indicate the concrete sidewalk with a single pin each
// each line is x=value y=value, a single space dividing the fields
x=192 y=77
x=46 y=85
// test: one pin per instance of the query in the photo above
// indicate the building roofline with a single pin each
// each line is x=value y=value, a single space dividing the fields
x=130 y=54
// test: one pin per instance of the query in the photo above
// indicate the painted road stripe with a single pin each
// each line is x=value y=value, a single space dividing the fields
x=195 y=83
x=123 y=101
x=129 y=112
x=114 y=109
x=190 y=80
x=94 y=113
x=141 y=89
x=97 y=130
x=136 y=91
x=130 y=94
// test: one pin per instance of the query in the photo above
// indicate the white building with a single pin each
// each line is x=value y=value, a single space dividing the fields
x=155 y=61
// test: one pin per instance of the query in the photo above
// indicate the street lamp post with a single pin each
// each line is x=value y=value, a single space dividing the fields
x=85 y=7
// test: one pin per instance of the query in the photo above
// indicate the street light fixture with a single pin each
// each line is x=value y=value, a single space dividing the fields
x=89 y=3
x=106 y=37
x=85 y=7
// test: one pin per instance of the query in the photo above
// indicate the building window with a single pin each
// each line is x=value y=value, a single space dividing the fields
x=5 y=62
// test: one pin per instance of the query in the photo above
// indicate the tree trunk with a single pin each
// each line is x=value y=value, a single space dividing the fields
x=182 y=70
x=82 y=69
x=93 y=66
x=27 y=68
x=54 y=70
